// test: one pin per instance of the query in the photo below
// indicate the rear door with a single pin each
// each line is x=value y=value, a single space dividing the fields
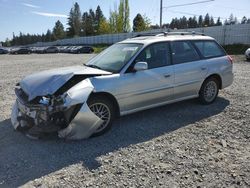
x=190 y=70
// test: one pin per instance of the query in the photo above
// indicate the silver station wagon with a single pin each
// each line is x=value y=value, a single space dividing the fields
x=133 y=75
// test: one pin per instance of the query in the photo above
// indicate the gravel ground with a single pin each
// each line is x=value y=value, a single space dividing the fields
x=178 y=145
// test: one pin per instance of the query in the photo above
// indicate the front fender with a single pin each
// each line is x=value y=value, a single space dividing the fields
x=85 y=122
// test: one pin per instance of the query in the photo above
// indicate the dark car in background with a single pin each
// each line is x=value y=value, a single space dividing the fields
x=82 y=49
x=51 y=49
x=21 y=51
x=3 y=51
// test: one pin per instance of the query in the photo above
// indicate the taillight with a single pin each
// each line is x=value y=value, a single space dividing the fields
x=230 y=59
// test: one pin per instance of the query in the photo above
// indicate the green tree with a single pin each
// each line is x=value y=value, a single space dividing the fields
x=126 y=25
x=207 y=20
x=218 y=22
x=211 y=22
x=104 y=27
x=99 y=17
x=58 y=31
x=139 y=23
x=200 y=21
x=119 y=19
x=113 y=21
x=244 y=20
x=48 y=36
x=74 y=21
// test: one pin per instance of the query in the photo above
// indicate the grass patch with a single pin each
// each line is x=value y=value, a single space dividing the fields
x=236 y=49
x=100 y=47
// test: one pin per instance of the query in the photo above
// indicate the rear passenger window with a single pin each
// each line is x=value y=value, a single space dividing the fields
x=183 y=51
x=209 y=49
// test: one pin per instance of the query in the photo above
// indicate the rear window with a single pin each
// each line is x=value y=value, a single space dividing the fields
x=209 y=49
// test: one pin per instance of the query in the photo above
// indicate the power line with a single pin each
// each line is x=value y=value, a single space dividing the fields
x=188 y=4
x=179 y=5
x=180 y=12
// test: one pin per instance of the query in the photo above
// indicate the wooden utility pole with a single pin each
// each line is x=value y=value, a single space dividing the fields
x=161 y=14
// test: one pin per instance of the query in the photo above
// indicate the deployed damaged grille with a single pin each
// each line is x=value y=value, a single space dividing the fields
x=21 y=95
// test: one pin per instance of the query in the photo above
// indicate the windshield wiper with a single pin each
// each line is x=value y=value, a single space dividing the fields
x=93 y=66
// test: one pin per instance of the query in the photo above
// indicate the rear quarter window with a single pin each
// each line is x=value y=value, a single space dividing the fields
x=209 y=49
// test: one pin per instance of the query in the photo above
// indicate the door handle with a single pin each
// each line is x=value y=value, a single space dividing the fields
x=203 y=68
x=167 y=75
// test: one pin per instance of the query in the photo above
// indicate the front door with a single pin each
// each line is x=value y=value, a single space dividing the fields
x=149 y=87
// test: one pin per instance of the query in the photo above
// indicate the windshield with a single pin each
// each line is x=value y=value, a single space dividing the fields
x=115 y=57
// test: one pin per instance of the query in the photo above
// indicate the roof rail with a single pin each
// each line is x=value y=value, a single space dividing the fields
x=146 y=35
x=158 y=34
x=181 y=33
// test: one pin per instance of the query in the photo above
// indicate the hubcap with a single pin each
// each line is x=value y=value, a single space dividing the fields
x=102 y=111
x=210 y=91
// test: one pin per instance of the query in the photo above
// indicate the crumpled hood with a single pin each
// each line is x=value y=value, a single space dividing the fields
x=48 y=82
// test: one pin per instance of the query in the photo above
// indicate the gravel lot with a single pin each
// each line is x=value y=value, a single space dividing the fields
x=178 y=145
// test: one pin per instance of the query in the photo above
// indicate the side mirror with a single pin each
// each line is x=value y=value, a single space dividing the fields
x=139 y=66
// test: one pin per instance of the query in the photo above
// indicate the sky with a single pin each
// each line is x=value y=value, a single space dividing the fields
x=36 y=16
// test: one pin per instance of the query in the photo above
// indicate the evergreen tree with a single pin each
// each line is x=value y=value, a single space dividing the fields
x=200 y=21
x=48 y=36
x=58 y=31
x=226 y=22
x=207 y=20
x=99 y=18
x=244 y=20
x=74 y=21
x=218 y=22
x=139 y=23
x=211 y=22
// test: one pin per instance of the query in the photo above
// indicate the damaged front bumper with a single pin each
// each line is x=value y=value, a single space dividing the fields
x=67 y=114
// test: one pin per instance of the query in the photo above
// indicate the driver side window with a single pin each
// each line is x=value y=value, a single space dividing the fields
x=156 y=55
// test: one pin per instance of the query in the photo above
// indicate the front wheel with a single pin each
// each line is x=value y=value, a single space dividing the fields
x=209 y=91
x=104 y=109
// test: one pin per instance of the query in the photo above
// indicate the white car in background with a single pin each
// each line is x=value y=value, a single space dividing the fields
x=247 y=53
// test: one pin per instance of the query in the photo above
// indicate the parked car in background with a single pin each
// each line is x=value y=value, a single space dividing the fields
x=67 y=49
x=82 y=49
x=22 y=50
x=73 y=48
x=51 y=49
x=247 y=54
x=3 y=51
x=62 y=49
x=133 y=75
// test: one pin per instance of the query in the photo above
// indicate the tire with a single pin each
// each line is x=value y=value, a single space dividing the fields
x=107 y=107
x=209 y=91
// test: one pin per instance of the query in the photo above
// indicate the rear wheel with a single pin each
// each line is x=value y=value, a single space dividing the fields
x=104 y=109
x=209 y=91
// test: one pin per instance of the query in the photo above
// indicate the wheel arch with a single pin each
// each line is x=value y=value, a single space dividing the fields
x=217 y=77
x=110 y=97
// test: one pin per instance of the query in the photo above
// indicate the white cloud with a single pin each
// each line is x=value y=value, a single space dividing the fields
x=30 y=5
x=50 y=14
